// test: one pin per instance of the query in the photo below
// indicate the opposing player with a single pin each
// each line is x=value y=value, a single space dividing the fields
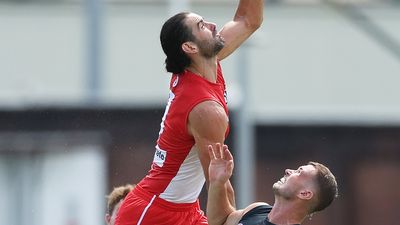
x=299 y=193
x=196 y=116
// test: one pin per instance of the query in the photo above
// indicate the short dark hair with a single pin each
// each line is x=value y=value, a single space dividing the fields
x=173 y=34
x=326 y=185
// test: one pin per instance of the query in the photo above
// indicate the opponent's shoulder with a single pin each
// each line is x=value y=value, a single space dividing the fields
x=255 y=205
x=235 y=217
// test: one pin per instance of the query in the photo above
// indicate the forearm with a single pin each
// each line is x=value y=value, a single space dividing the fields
x=251 y=11
x=219 y=203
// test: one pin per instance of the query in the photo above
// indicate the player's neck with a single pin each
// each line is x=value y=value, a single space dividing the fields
x=285 y=213
x=206 y=68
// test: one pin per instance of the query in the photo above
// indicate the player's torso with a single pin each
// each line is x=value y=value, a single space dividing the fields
x=176 y=174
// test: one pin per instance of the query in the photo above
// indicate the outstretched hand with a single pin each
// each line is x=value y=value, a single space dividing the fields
x=221 y=163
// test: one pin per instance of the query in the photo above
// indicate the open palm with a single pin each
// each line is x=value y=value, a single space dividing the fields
x=221 y=163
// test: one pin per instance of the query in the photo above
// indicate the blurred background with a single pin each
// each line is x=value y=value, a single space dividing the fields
x=83 y=89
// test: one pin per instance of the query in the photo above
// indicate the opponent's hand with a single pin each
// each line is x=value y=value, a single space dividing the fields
x=221 y=163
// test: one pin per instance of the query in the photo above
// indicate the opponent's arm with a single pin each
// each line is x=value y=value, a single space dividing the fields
x=248 y=18
x=208 y=123
x=220 y=170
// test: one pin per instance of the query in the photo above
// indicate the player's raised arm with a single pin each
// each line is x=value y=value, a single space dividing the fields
x=247 y=19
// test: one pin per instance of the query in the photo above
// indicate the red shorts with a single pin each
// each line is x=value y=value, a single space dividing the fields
x=143 y=208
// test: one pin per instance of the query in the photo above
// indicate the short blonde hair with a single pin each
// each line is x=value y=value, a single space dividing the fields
x=117 y=194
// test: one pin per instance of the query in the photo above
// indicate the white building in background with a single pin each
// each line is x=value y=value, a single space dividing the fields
x=52 y=178
x=306 y=64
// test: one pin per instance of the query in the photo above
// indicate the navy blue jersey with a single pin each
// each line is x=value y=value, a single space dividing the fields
x=257 y=216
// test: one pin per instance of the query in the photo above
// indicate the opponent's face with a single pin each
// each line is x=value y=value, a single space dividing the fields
x=295 y=182
x=207 y=38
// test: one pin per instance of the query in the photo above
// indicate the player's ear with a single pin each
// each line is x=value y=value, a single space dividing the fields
x=305 y=194
x=189 y=47
x=108 y=219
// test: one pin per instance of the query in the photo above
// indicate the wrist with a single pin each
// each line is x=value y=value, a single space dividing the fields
x=217 y=183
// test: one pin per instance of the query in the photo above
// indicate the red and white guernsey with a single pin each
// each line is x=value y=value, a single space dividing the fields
x=176 y=173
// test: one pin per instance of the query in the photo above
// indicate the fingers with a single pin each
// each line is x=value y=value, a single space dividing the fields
x=220 y=152
x=211 y=152
x=229 y=167
x=215 y=153
x=227 y=153
x=228 y=156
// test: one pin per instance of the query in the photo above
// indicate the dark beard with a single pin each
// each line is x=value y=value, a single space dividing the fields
x=209 y=49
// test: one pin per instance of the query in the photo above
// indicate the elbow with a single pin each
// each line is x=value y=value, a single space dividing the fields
x=256 y=23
